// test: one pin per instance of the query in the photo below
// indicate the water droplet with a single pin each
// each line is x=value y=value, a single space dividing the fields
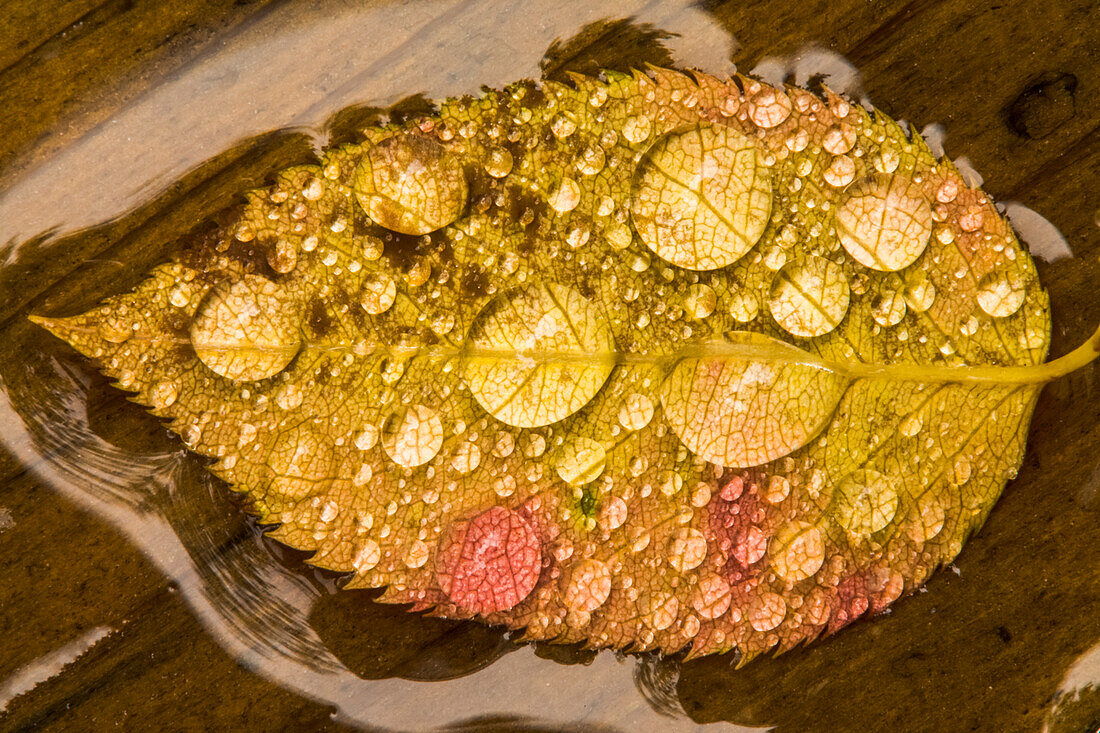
x=614 y=512
x=466 y=458
x=288 y=397
x=920 y=293
x=578 y=236
x=769 y=107
x=580 y=461
x=700 y=301
x=498 y=162
x=885 y=222
x=687 y=548
x=411 y=184
x=636 y=412
x=888 y=308
x=521 y=388
x=798 y=551
x=839 y=139
x=637 y=129
x=1000 y=294
x=368 y=555
x=443 y=323
x=562 y=127
x=866 y=502
x=701 y=198
x=660 y=609
x=619 y=236
x=809 y=298
x=164 y=394
x=912 y=425
x=841 y=171
x=246 y=330
x=378 y=294
x=766 y=611
x=744 y=305
x=592 y=160
x=566 y=196
x=412 y=436
x=778 y=489
x=363 y=475
x=179 y=296
x=712 y=597
x=587 y=585
x=504 y=485
x=504 y=445
x=283 y=257
x=417 y=555
x=536 y=446
x=670 y=482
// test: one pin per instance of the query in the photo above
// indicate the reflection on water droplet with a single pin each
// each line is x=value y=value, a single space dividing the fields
x=412 y=436
x=378 y=294
x=1000 y=294
x=809 y=298
x=580 y=461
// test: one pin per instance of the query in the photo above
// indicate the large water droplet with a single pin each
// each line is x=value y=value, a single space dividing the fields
x=411 y=184
x=711 y=179
x=700 y=301
x=246 y=330
x=537 y=355
x=809 y=298
x=885 y=222
x=798 y=550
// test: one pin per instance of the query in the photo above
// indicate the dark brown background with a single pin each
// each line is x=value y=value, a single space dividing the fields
x=1016 y=85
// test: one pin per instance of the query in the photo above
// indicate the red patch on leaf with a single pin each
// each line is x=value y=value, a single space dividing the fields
x=490 y=563
x=851 y=602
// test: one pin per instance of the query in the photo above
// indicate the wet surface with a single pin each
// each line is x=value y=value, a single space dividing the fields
x=139 y=585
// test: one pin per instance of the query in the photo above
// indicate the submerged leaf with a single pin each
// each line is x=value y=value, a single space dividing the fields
x=645 y=362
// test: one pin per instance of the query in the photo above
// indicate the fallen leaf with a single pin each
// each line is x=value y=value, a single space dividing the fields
x=648 y=362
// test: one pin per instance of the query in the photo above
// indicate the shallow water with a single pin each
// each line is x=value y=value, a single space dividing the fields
x=293 y=72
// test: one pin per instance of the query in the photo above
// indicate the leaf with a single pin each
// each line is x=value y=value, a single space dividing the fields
x=644 y=362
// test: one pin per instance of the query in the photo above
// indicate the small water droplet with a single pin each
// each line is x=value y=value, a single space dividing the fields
x=636 y=412
x=888 y=309
x=566 y=196
x=498 y=162
x=580 y=461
